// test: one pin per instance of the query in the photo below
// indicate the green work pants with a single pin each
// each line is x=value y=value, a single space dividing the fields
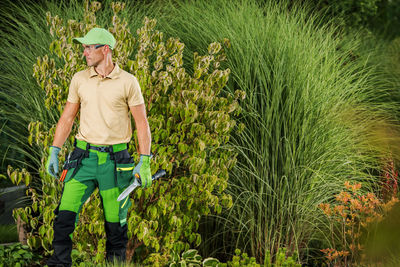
x=111 y=173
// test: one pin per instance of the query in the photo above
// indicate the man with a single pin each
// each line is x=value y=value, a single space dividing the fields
x=104 y=94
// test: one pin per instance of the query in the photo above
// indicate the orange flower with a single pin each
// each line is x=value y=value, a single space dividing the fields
x=340 y=209
x=372 y=198
x=344 y=253
x=355 y=204
x=347 y=184
x=343 y=197
x=325 y=208
x=356 y=187
x=351 y=187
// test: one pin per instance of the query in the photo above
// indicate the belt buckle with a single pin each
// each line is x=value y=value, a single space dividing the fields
x=103 y=149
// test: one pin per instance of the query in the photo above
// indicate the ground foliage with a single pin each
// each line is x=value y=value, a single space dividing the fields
x=190 y=119
x=17 y=255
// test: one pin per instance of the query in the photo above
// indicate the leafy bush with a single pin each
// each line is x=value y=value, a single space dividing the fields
x=18 y=255
x=190 y=121
x=192 y=258
x=352 y=13
x=242 y=259
x=380 y=16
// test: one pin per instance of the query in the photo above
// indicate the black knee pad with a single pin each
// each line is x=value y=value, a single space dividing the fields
x=64 y=225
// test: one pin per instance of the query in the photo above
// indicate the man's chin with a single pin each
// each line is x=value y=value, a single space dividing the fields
x=91 y=64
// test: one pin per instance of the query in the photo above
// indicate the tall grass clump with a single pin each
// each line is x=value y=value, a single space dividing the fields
x=317 y=113
x=23 y=39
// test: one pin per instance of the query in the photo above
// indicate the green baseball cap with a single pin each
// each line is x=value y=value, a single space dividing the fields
x=97 y=36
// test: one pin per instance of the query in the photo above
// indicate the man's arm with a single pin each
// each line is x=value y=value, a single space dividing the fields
x=65 y=123
x=142 y=127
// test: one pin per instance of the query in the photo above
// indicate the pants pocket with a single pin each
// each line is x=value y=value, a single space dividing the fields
x=124 y=179
x=124 y=174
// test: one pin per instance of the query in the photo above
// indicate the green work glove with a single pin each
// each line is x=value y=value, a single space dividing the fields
x=52 y=161
x=143 y=169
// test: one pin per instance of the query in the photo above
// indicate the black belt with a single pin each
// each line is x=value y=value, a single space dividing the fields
x=107 y=149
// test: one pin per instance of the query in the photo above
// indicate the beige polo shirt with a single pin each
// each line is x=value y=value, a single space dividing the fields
x=104 y=105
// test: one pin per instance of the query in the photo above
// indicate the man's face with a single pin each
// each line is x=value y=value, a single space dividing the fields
x=94 y=54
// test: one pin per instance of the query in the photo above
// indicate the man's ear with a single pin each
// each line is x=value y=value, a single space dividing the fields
x=107 y=49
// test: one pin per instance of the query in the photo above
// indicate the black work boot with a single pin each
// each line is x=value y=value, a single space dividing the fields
x=117 y=238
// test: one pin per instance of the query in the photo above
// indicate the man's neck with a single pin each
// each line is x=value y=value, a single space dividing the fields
x=104 y=69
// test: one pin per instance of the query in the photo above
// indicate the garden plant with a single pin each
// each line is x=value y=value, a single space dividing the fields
x=350 y=219
x=18 y=255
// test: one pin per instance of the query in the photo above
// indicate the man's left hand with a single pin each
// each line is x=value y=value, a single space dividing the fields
x=143 y=169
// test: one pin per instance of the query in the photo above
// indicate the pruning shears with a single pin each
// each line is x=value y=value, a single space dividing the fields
x=137 y=182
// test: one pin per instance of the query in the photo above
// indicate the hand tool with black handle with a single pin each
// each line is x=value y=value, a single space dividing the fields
x=136 y=183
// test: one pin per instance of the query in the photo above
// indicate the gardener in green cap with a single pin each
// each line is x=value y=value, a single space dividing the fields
x=105 y=95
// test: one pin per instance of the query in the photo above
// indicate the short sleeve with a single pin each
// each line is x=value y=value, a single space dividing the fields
x=73 y=96
x=135 y=96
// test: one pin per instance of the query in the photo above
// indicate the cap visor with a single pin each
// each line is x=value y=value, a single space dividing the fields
x=80 y=40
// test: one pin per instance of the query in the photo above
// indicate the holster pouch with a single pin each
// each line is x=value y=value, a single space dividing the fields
x=72 y=163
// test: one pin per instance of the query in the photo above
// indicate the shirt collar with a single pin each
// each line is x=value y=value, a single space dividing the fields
x=112 y=75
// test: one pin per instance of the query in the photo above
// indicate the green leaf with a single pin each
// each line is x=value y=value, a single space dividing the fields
x=210 y=262
x=189 y=254
x=34 y=206
x=33 y=223
x=28 y=179
x=27 y=256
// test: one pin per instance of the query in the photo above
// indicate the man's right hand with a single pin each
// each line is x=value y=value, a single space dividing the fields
x=52 y=161
x=143 y=169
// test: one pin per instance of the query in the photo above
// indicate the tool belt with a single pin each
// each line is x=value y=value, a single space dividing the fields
x=119 y=153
